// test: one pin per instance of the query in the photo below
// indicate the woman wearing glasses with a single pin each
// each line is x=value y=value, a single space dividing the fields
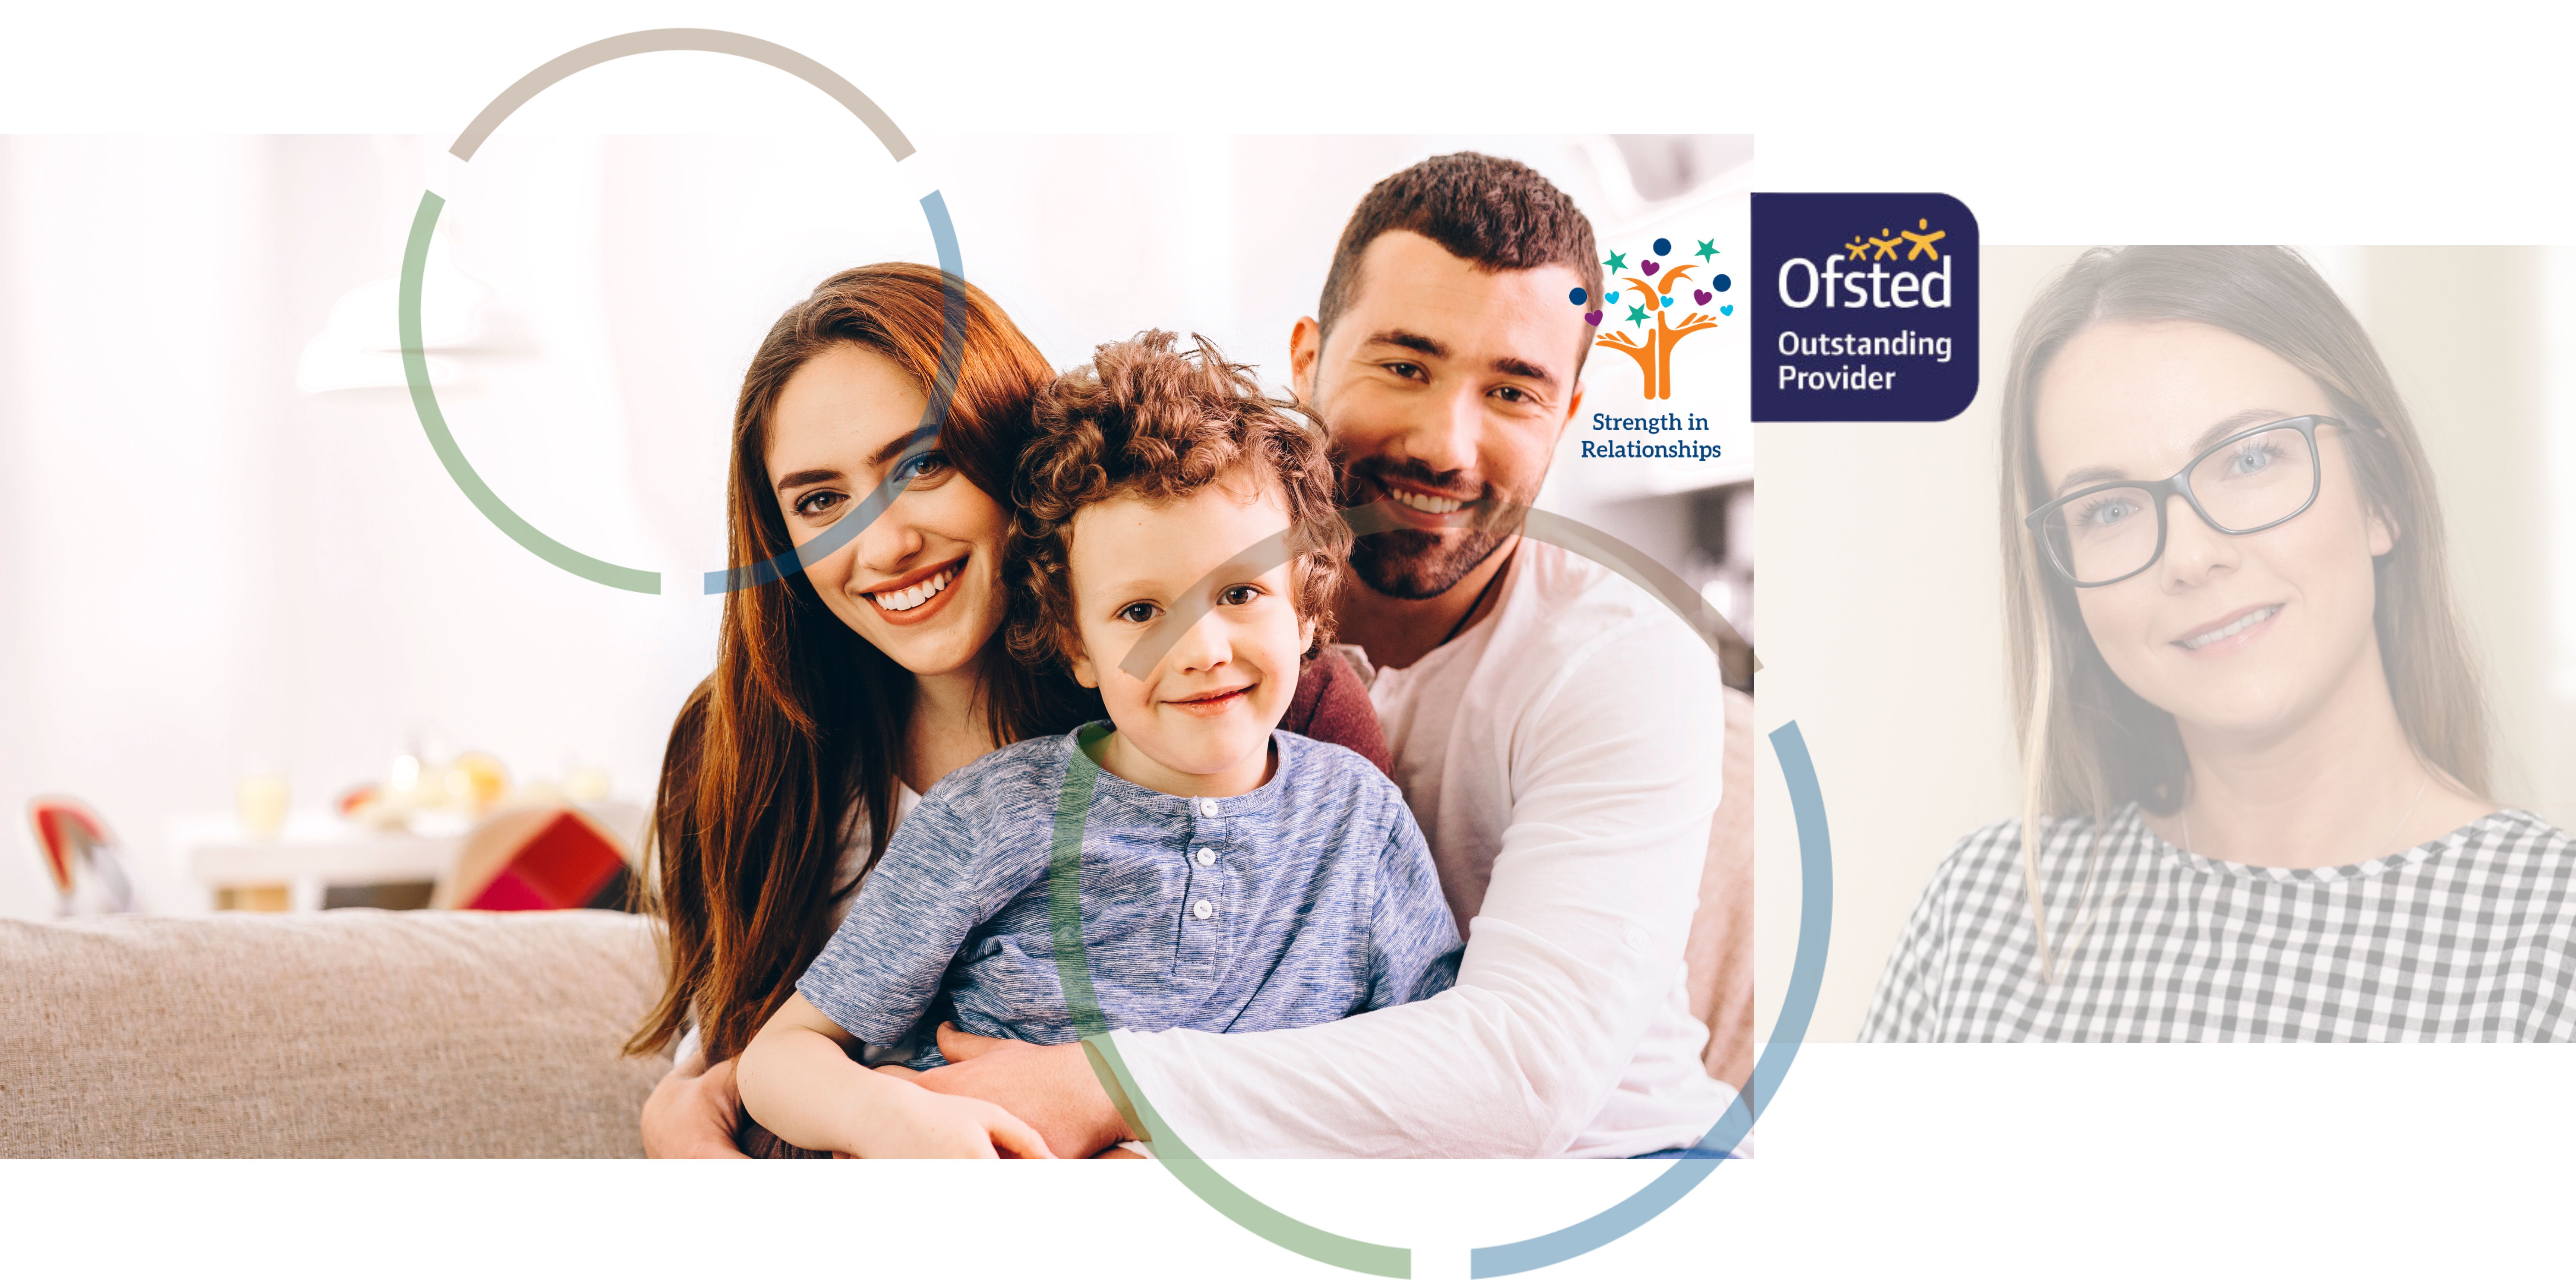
x=2254 y=750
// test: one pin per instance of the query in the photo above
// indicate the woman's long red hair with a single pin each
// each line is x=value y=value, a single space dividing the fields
x=803 y=718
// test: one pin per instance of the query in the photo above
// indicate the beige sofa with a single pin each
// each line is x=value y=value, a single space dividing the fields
x=329 y=1034
x=473 y=1034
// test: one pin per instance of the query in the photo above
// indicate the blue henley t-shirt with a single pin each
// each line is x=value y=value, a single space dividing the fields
x=1310 y=898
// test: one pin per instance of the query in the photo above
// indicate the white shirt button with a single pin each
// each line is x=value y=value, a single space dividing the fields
x=1207 y=809
x=1206 y=857
x=1636 y=938
x=1203 y=910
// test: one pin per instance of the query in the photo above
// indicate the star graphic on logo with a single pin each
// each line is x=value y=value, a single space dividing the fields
x=1708 y=249
x=1617 y=263
x=1637 y=313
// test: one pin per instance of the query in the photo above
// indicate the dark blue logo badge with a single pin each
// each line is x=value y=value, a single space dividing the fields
x=1864 y=306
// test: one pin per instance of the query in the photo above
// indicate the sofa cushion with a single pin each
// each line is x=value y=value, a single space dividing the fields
x=351 y=1033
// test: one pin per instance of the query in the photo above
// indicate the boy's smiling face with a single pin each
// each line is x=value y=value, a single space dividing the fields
x=1199 y=723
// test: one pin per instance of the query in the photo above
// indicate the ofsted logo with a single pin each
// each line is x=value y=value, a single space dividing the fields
x=1903 y=289
x=1882 y=328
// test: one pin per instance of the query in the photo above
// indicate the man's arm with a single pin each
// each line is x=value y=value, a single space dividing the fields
x=1574 y=952
x=1721 y=944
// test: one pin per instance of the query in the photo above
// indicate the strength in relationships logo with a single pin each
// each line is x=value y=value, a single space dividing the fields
x=1644 y=302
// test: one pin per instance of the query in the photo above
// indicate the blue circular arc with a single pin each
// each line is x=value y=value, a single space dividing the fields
x=1718 y=1143
x=925 y=436
x=1806 y=979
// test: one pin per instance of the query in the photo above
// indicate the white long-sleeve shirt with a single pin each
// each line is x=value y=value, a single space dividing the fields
x=1563 y=757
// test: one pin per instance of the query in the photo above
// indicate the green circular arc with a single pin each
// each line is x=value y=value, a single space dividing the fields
x=424 y=400
x=1073 y=967
x=1064 y=917
x=424 y=397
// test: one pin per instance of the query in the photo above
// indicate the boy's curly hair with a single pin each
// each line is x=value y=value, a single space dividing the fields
x=1146 y=420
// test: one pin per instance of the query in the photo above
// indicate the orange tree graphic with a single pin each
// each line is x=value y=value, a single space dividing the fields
x=1653 y=348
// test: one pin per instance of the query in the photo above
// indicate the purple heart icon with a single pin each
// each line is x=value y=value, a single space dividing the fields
x=1647 y=266
x=1592 y=318
x=1699 y=297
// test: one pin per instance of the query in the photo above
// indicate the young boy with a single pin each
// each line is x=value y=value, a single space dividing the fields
x=1233 y=877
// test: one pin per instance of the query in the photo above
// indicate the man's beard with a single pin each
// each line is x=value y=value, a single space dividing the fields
x=1411 y=564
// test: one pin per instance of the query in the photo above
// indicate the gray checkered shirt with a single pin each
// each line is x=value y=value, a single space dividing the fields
x=2468 y=937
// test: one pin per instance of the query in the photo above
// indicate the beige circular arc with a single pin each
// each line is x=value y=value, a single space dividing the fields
x=694 y=39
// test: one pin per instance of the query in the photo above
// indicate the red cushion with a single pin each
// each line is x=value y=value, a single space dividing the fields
x=560 y=867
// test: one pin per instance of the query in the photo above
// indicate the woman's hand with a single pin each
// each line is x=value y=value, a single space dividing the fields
x=914 y=1123
x=693 y=1114
x=1049 y=1087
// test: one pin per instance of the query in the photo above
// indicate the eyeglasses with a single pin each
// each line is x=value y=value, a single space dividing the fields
x=2260 y=478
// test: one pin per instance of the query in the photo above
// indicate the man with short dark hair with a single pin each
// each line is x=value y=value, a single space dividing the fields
x=1556 y=731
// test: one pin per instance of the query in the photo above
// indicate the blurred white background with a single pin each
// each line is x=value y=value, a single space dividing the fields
x=1883 y=583
x=226 y=547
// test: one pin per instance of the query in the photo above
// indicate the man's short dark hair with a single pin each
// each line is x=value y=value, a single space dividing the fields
x=1493 y=213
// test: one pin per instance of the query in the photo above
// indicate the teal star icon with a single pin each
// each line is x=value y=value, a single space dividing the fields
x=1617 y=262
x=1637 y=314
x=1708 y=249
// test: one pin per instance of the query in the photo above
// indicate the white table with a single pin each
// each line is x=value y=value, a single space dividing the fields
x=318 y=850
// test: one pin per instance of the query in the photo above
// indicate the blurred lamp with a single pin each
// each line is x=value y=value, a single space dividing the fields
x=361 y=346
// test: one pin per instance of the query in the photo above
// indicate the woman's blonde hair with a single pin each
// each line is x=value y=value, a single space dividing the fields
x=2089 y=744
